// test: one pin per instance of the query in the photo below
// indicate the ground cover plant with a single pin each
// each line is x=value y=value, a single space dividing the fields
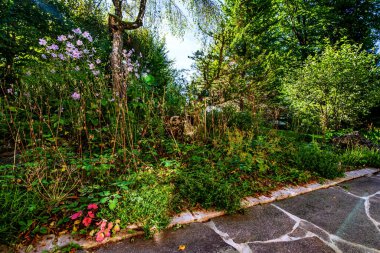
x=87 y=153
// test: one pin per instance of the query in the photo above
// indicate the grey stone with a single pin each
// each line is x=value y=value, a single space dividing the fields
x=196 y=237
x=308 y=245
x=259 y=223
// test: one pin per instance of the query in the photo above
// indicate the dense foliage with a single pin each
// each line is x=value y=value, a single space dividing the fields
x=276 y=90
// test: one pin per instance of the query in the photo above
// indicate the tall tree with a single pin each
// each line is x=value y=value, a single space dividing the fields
x=118 y=26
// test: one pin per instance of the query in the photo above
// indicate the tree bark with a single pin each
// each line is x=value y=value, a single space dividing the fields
x=117 y=27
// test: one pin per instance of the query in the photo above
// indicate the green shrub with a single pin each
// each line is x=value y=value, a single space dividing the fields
x=208 y=187
x=360 y=157
x=324 y=162
x=19 y=209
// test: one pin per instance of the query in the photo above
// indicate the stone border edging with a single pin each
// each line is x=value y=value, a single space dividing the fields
x=50 y=242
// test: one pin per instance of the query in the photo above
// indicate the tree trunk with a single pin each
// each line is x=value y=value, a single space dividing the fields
x=117 y=46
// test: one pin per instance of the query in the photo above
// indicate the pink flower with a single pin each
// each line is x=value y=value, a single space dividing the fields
x=70 y=36
x=10 y=91
x=75 y=96
x=79 y=43
x=91 y=214
x=91 y=66
x=102 y=224
x=95 y=72
x=110 y=225
x=42 y=42
x=98 y=61
x=76 y=215
x=100 y=236
x=92 y=206
x=107 y=232
x=87 y=221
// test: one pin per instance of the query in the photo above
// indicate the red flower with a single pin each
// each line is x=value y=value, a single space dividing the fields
x=76 y=215
x=92 y=206
x=91 y=214
x=87 y=221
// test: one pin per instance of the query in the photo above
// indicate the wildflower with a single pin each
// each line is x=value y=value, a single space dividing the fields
x=130 y=69
x=76 y=54
x=102 y=224
x=10 y=91
x=43 y=56
x=95 y=72
x=86 y=51
x=137 y=75
x=98 y=61
x=87 y=221
x=75 y=96
x=79 y=43
x=77 y=31
x=107 y=232
x=91 y=66
x=93 y=50
x=76 y=215
x=70 y=45
x=92 y=206
x=53 y=55
x=53 y=47
x=100 y=236
x=42 y=42
x=62 y=38
x=77 y=68
x=70 y=36
x=62 y=57
x=85 y=34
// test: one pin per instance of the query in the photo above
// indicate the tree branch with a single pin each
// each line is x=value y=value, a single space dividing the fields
x=116 y=20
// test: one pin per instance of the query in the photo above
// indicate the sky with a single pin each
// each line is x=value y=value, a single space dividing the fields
x=179 y=49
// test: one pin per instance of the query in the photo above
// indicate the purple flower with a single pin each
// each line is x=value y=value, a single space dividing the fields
x=53 y=55
x=42 y=42
x=96 y=72
x=130 y=69
x=91 y=66
x=79 y=43
x=86 y=51
x=62 y=38
x=61 y=56
x=77 y=31
x=85 y=34
x=98 y=61
x=75 y=96
x=70 y=45
x=89 y=38
x=43 y=56
x=70 y=36
x=76 y=54
x=10 y=91
x=53 y=47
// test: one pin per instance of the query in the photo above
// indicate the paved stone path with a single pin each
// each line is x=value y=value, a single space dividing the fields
x=344 y=218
